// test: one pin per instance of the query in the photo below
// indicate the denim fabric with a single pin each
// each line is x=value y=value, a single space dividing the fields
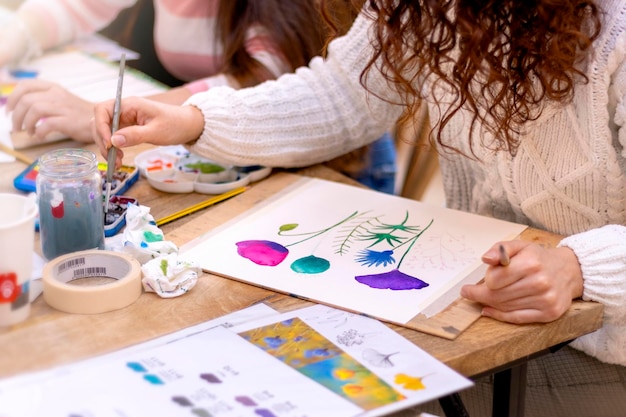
x=380 y=174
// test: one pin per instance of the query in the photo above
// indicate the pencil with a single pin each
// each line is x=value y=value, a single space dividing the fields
x=201 y=205
x=504 y=257
x=112 y=154
x=17 y=155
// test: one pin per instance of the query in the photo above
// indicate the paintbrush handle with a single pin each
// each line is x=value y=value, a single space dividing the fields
x=111 y=157
x=115 y=123
x=118 y=96
x=112 y=154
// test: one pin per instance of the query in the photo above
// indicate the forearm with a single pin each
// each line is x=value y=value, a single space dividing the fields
x=176 y=95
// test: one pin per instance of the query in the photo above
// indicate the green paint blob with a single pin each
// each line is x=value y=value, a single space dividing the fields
x=163 y=265
x=205 y=167
x=310 y=265
x=152 y=237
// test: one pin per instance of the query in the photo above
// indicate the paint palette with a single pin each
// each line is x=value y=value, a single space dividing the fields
x=192 y=173
x=115 y=218
x=123 y=178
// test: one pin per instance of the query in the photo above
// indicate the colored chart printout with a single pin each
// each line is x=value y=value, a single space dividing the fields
x=316 y=361
x=361 y=250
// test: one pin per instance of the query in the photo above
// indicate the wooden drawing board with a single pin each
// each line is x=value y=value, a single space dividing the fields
x=315 y=204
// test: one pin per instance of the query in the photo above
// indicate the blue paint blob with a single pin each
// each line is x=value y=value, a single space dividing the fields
x=136 y=366
x=153 y=379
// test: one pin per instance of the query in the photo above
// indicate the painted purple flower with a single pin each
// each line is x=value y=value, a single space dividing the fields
x=393 y=280
x=262 y=252
x=310 y=265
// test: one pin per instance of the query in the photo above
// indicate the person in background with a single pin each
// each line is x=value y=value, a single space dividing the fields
x=201 y=43
x=528 y=107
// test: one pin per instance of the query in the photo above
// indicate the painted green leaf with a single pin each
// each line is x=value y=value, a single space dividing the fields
x=287 y=227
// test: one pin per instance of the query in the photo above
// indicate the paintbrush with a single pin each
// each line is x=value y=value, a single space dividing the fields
x=112 y=154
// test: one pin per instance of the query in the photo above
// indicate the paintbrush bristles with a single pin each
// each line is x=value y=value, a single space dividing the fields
x=504 y=256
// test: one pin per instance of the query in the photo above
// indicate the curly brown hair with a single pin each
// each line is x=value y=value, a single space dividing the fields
x=500 y=58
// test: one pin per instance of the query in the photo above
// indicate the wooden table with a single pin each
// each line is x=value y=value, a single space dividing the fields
x=49 y=337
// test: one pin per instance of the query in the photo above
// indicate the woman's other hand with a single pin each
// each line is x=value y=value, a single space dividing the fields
x=41 y=107
x=538 y=285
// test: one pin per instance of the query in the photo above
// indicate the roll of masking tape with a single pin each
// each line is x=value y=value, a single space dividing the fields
x=60 y=293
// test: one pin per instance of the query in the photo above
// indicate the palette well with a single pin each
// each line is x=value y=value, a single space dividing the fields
x=192 y=173
x=115 y=218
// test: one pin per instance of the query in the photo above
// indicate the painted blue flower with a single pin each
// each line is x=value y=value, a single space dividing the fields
x=273 y=342
x=368 y=257
x=392 y=280
x=316 y=353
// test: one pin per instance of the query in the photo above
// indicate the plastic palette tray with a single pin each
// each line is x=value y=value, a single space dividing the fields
x=123 y=178
x=185 y=173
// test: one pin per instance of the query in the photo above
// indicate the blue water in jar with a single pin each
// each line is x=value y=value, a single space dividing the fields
x=69 y=193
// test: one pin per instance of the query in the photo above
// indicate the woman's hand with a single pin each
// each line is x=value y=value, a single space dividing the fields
x=41 y=107
x=145 y=121
x=538 y=285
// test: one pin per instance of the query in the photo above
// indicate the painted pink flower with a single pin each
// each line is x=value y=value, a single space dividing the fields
x=262 y=252
x=393 y=280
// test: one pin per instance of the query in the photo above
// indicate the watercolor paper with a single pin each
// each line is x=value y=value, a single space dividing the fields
x=368 y=252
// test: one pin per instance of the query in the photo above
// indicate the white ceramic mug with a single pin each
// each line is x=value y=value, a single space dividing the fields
x=17 y=234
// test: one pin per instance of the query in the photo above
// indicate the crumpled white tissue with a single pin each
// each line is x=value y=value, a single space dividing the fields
x=162 y=271
x=168 y=276
x=142 y=237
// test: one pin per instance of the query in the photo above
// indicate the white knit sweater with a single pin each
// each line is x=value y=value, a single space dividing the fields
x=568 y=177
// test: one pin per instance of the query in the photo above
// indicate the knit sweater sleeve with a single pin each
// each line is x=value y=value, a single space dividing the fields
x=602 y=251
x=602 y=256
x=318 y=113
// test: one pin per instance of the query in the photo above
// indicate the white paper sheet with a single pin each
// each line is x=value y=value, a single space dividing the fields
x=316 y=361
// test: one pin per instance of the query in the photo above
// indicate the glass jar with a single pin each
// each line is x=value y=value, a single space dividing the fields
x=71 y=211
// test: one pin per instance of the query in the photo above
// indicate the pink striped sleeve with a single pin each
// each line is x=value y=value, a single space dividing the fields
x=262 y=48
x=55 y=22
